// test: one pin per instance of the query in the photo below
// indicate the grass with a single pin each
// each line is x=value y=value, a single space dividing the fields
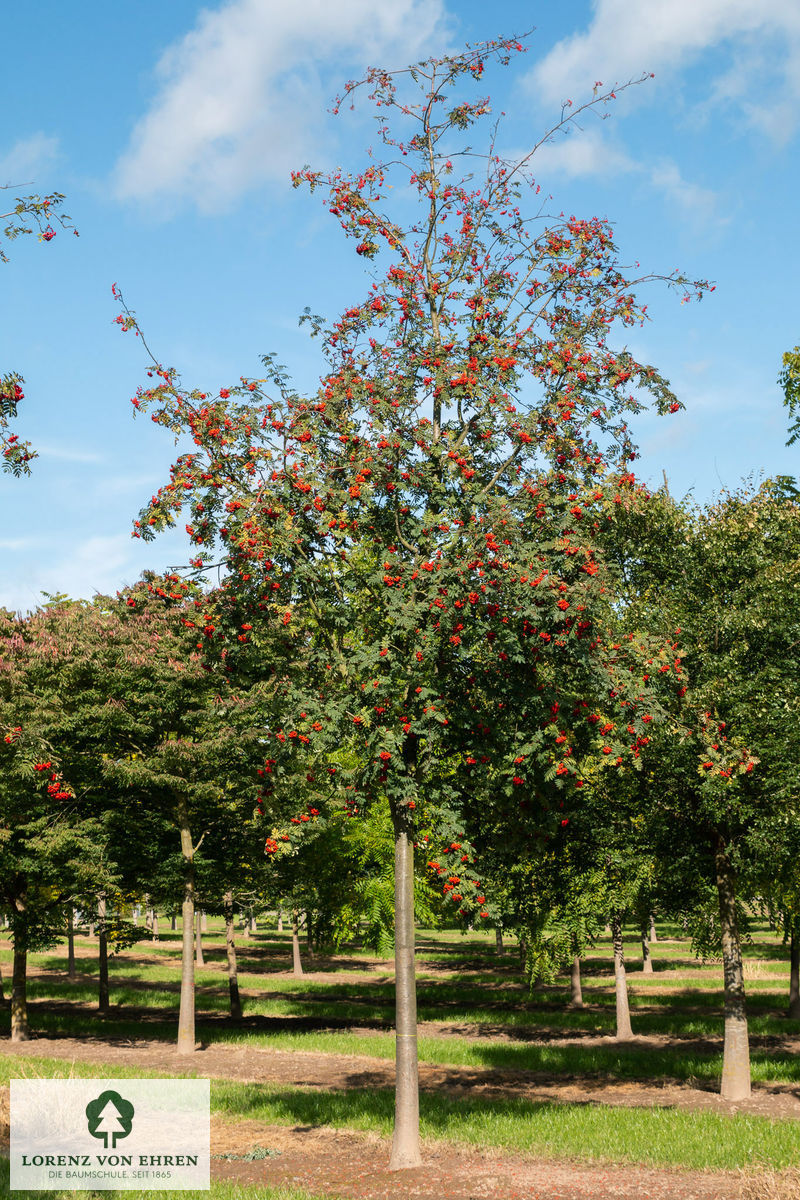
x=652 y=1136
x=470 y=990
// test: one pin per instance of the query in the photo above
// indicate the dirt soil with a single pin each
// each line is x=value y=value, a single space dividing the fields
x=340 y=1163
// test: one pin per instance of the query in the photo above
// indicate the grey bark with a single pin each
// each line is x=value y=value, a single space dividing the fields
x=71 y=972
x=624 y=1031
x=736 y=1052
x=280 y=921
x=103 y=1002
x=297 y=962
x=653 y=934
x=203 y=922
x=230 y=948
x=154 y=924
x=647 y=962
x=198 y=941
x=575 y=989
x=405 y=1139
x=186 y=1033
x=793 y=1010
x=173 y=922
x=498 y=938
x=20 y=1030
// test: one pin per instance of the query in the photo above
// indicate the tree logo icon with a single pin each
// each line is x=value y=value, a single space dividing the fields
x=109 y=1116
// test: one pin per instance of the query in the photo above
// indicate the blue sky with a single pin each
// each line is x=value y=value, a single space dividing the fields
x=172 y=129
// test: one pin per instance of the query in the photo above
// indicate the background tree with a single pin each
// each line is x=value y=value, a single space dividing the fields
x=724 y=580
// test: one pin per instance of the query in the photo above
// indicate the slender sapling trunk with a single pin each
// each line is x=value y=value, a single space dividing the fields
x=297 y=964
x=72 y=974
x=498 y=938
x=20 y=1030
x=198 y=941
x=186 y=1035
x=230 y=948
x=793 y=1010
x=405 y=1140
x=736 y=1052
x=624 y=1031
x=103 y=1001
x=647 y=962
x=575 y=989
x=653 y=934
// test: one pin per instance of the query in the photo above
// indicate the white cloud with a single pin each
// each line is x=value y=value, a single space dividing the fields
x=628 y=37
x=26 y=160
x=240 y=97
x=579 y=153
x=697 y=203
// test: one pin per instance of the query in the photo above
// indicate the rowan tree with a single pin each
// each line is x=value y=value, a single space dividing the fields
x=425 y=523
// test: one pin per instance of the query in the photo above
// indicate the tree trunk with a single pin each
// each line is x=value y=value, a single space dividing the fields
x=405 y=1140
x=653 y=934
x=230 y=947
x=103 y=1002
x=736 y=1053
x=20 y=1031
x=198 y=941
x=624 y=1031
x=91 y=929
x=575 y=990
x=297 y=965
x=280 y=921
x=253 y=923
x=154 y=924
x=309 y=935
x=647 y=962
x=186 y=1035
x=794 y=975
x=203 y=921
x=174 y=922
x=498 y=938
x=72 y=974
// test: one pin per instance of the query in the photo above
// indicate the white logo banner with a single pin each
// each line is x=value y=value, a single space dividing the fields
x=110 y=1134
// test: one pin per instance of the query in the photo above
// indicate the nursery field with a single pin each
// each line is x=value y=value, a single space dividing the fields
x=522 y=1095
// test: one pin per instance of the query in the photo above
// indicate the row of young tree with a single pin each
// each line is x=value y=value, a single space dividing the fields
x=445 y=598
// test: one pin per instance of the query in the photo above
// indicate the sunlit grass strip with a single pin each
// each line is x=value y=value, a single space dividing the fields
x=656 y=1137
x=624 y=1061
